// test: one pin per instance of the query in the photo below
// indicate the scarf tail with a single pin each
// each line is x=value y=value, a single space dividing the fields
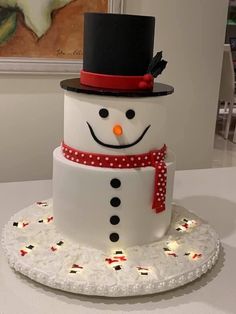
x=159 y=196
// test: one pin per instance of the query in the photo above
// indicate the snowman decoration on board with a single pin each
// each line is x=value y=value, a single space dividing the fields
x=113 y=177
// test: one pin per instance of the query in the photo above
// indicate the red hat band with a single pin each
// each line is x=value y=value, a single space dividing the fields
x=124 y=82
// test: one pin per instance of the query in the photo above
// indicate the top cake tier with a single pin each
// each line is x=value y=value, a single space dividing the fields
x=114 y=125
x=119 y=63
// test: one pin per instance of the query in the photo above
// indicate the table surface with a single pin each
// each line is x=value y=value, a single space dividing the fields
x=210 y=193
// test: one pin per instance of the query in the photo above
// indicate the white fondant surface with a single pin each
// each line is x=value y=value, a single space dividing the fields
x=81 y=108
x=82 y=209
x=97 y=277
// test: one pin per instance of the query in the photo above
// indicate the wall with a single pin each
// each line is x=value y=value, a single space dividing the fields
x=31 y=123
x=191 y=35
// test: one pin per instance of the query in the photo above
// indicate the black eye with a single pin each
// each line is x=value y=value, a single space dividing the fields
x=130 y=114
x=104 y=113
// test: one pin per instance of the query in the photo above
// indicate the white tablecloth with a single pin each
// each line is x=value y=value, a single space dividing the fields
x=210 y=193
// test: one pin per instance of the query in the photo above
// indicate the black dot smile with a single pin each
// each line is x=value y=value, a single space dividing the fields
x=117 y=146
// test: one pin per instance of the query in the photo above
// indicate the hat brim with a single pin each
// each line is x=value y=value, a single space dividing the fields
x=74 y=85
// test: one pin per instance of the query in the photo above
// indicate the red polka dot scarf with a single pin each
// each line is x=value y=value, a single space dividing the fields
x=154 y=158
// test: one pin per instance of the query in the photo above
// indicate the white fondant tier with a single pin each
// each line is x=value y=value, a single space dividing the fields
x=81 y=109
x=83 y=210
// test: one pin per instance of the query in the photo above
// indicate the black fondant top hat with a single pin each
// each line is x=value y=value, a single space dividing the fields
x=118 y=57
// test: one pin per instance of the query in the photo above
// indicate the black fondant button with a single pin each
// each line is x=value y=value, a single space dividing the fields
x=114 y=237
x=130 y=114
x=115 y=202
x=104 y=113
x=115 y=183
x=114 y=220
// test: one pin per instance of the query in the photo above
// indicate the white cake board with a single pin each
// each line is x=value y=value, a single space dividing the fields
x=180 y=257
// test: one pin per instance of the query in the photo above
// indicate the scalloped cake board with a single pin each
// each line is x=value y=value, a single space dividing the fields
x=34 y=248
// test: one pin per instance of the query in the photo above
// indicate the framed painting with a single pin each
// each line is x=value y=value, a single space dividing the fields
x=45 y=36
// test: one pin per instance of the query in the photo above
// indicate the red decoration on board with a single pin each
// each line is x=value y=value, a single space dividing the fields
x=142 y=268
x=23 y=252
x=155 y=158
x=110 y=260
x=172 y=254
x=44 y=204
x=196 y=256
x=120 y=82
x=77 y=266
x=121 y=258
x=49 y=218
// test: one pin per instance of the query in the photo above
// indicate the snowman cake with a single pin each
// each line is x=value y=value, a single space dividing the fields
x=110 y=228
x=113 y=177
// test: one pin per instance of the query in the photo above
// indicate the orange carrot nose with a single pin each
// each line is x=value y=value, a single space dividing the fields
x=117 y=130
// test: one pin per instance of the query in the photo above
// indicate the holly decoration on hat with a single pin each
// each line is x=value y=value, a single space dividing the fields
x=155 y=68
x=157 y=65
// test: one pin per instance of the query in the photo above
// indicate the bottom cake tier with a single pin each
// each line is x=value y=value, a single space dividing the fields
x=36 y=249
x=92 y=204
